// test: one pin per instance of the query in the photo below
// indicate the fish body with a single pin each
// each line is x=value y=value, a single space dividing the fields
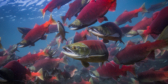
x=112 y=70
x=54 y=4
x=157 y=26
x=74 y=8
x=128 y=15
x=46 y=64
x=87 y=51
x=3 y=59
x=93 y=11
x=157 y=6
x=54 y=42
x=107 y=31
x=126 y=29
x=31 y=58
x=135 y=53
x=142 y=25
x=52 y=29
x=81 y=36
x=36 y=33
x=11 y=50
x=61 y=31
x=152 y=76
x=24 y=31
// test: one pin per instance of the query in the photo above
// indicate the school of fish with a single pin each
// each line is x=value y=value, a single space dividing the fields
x=94 y=55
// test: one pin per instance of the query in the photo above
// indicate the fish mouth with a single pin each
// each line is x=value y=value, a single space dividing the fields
x=21 y=45
x=77 y=24
x=131 y=33
x=74 y=27
x=95 y=32
x=67 y=51
x=20 y=30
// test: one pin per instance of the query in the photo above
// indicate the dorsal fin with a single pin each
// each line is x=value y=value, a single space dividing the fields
x=36 y=25
x=126 y=25
x=148 y=42
x=152 y=69
x=29 y=53
x=70 y=4
x=41 y=50
x=125 y=11
x=76 y=33
x=145 y=18
x=130 y=43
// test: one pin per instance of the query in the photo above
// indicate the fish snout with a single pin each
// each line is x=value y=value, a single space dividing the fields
x=116 y=60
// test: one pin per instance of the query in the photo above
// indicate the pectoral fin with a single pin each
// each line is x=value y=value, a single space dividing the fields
x=85 y=64
x=101 y=19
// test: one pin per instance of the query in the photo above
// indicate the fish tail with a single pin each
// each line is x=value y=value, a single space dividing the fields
x=132 y=69
x=40 y=76
x=91 y=80
x=52 y=21
x=143 y=34
x=144 y=10
x=43 y=53
x=1 y=47
x=63 y=18
x=164 y=34
x=134 y=81
x=43 y=12
x=65 y=24
x=121 y=41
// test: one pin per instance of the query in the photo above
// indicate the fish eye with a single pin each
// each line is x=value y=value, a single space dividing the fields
x=74 y=47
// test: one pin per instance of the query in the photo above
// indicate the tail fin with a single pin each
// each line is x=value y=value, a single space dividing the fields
x=1 y=47
x=164 y=34
x=134 y=81
x=52 y=21
x=91 y=80
x=42 y=12
x=143 y=35
x=63 y=19
x=144 y=10
x=41 y=74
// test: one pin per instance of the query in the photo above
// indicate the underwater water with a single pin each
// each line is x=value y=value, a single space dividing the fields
x=26 y=13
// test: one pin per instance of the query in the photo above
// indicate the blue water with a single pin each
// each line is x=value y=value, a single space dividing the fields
x=26 y=13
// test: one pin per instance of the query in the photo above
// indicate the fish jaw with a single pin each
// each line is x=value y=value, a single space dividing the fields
x=69 y=53
x=76 y=50
x=23 y=43
x=75 y=25
x=131 y=33
x=95 y=32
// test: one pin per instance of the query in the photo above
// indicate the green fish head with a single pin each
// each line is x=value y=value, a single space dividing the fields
x=77 y=23
x=99 y=31
x=76 y=50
